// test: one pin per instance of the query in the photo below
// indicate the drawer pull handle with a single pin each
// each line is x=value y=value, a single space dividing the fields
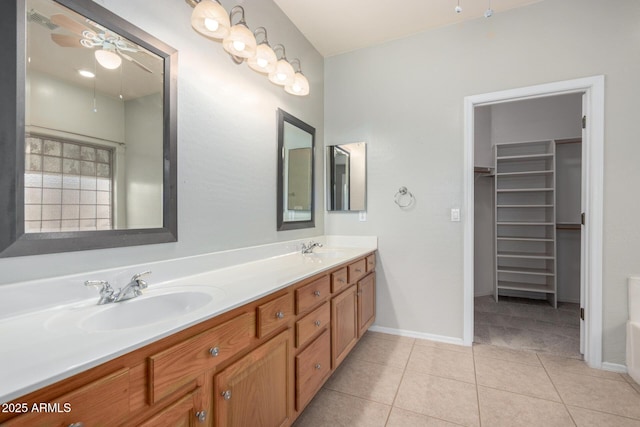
x=341 y=280
x=76 y=425
x=317 y=293
x=358 y=270
x=280 y=315
x=317 y=323
x=214 y=351
x=201 y=416
x=226 y=395
x=318 y=366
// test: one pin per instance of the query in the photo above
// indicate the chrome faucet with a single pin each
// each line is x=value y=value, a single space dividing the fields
x=308 y=248
x=108 y=295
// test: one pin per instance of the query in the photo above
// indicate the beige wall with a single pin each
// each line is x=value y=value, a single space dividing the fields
x=406 y=99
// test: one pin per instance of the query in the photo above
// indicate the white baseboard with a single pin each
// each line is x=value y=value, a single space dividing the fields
x=414 y=334
x=614 y=367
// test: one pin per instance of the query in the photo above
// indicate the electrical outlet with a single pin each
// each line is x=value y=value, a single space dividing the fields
x=362 y=215
x=455 y=214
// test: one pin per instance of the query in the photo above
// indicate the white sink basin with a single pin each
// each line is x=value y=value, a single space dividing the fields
x=154 y=306
x=144 y=311
x=329 y=253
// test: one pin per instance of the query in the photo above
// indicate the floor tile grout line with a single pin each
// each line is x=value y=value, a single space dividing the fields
x=602 y=412
x=566 y=407
x=475 y=374
x=404 y=371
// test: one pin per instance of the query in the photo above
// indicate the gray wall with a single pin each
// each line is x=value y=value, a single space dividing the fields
x=227 y=142
x=405 y=98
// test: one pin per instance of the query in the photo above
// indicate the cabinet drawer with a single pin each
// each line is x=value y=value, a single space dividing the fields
x=311 y=295
x=357 y=270
x=181 y=364
x=273 y=314
x=311 y=324
x=339 y=280
x=371 y=262
x=104 y=402
x=312 y=367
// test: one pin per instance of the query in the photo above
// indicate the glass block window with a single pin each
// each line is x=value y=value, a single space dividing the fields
x=68 y=186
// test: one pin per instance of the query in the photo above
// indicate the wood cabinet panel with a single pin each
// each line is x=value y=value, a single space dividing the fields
x=356 y=270
x=177 y=366
x=255 y=390
x=339 y=280
x=312 y=324
x=366 y=303
x=313 y=365
x=344 y=325
x=371 y=262
x=274 y=314
x=183 y=413
x=104 y=402
x=309 y=296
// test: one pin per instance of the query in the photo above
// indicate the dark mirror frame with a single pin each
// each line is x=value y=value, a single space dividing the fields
x=283 y=117
x=13 y=240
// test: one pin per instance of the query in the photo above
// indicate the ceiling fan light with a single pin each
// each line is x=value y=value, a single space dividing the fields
x=283 y=74
x=264 y=60
x=108 y=59
x=210 y=19
x=240 y=42
x=299 y=87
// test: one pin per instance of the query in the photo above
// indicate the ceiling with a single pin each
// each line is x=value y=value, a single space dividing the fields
x=338 y=26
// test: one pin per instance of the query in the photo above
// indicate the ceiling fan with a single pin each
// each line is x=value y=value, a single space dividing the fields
x=112 y=47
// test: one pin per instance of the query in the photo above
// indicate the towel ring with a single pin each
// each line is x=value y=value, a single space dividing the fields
x=404 y=198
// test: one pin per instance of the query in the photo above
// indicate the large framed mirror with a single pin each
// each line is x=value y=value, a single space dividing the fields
x=88 y=130
x=296 y=145
x=347 y=177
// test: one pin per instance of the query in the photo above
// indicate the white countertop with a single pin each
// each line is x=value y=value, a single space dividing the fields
x=47 y=345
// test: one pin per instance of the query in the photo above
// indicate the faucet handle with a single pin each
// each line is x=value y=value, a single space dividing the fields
x=103 y=284
x=137 y=278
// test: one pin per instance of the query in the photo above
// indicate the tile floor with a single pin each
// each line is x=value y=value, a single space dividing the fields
x=404 y=382
x=526 y=324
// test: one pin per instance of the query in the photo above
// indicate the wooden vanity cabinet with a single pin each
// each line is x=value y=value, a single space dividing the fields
x=257 y=365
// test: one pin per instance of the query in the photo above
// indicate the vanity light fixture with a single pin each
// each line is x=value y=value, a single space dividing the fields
x=265 y=58
x=107 y=57
x=283 y=74
x=300 y=85
x=210 y=19
x=240 y=43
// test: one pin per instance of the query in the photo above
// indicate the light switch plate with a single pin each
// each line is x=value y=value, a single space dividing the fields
x=362 y=215
x=455 y=214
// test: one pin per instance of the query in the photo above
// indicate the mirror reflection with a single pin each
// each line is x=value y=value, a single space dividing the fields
x=346 y=177
x=295 y=173
x=93 y=126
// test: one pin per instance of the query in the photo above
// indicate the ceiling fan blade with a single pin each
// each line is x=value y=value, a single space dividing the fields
x=66 y=41
x=65 y=22
x=130 y=59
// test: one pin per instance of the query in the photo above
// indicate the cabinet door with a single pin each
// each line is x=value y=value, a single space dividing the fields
x=344 y=328
x=366 y=303
x=257 y=389
x=183 y=413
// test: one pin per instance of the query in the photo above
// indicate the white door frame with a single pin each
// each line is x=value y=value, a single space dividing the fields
x=593 y=147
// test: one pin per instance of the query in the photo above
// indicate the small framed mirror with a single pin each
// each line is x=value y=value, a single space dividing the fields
x=296 y=145
x=88 y=147
x=347 y=177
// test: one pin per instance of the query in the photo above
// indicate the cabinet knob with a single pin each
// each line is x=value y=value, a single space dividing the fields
x=341 y=280
x=201 y=416
x=318 y=366
x=226 y=395
x=280 y=315
x=76 y=425
x=358 y=270
x=317 y=323
x=214 y=351
x=317 y=293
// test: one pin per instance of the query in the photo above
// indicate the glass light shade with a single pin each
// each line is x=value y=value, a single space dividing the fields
x=240 y=42
x=283 y=74
x=108 y=59
x=300 y=85
x=210 y=19
x=265 y=59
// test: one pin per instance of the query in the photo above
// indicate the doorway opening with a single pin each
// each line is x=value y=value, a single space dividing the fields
x=522 y=252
